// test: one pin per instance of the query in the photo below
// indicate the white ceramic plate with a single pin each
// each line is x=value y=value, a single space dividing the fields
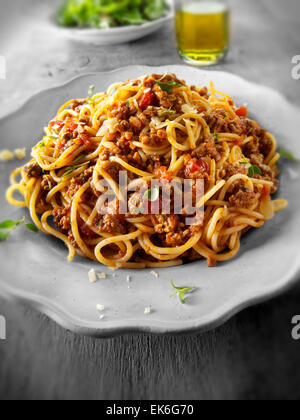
x=113 y=36
x=34 y=268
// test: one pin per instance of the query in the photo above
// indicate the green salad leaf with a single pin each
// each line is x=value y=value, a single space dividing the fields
x=109 y=13
x=155 y=9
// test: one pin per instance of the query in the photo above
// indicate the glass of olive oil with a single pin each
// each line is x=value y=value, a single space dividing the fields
x=203 y=30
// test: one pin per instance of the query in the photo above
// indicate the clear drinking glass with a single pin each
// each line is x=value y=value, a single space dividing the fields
x=203 y=30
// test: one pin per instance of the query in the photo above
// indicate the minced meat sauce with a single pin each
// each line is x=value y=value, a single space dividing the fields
x=134 y=125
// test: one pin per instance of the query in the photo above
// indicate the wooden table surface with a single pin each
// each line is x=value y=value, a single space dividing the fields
x=251 y=357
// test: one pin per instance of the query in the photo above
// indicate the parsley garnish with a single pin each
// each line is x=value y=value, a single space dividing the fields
x=152 y=194
x=79 y=158
x=285 y=154
x=42 y=143
x=31 y=227
x=71 y=169
x=167 y=86
x=128 y=103
x=91 y=94
x=8 y=226
x=181 y=291
x=166 y=113
x=252 y=169
x=216 y=136
x=4 y=236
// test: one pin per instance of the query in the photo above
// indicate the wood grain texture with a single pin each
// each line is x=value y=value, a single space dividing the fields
x=253 y=356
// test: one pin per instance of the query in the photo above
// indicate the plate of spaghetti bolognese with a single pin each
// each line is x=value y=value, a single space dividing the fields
x=145 y=181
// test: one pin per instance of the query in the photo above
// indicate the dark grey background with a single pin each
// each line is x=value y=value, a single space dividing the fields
x=253 y=356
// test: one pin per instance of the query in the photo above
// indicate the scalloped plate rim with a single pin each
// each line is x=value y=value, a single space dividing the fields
x=71 y=323
x=145 y=325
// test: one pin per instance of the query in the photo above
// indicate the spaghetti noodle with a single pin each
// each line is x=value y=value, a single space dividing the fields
x=152 y=128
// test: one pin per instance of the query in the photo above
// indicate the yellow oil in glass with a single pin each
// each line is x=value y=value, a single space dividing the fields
x=203 y=32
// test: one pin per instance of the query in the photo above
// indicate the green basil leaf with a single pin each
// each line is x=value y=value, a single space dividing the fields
x=167 y=86
x=181 y=292
x=251 y=172
x=252 y=169
x=167 y=113
x=32 y=227
x=4 y=236
x=181 y=297
x=286 y=154
x=257 y=170
x=177 y=288
x=8 y=224
x=152 y=194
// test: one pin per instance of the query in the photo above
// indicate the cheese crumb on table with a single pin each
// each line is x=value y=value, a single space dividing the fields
x=155 y=274
x=100 y=308
x=128 y=279
x=101 y=276
x=20 y=153
x=147 y=311
x=92 y=276
x=6 y=155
